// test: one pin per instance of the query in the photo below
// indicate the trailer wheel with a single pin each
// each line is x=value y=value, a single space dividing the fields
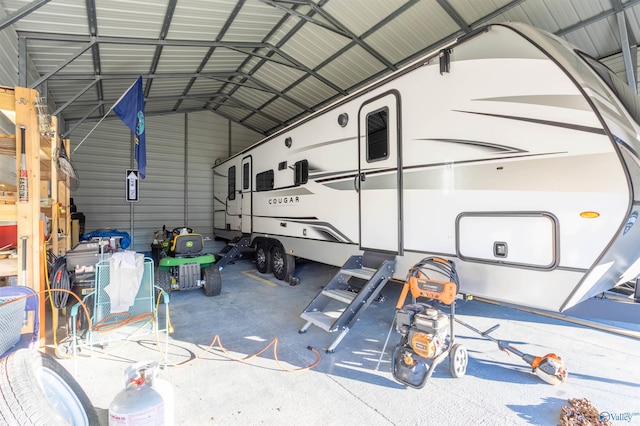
x=163 y=281
x=212 y=281
x=263 y=259
x=36 y=390
x=458 y=360
x=283 y=264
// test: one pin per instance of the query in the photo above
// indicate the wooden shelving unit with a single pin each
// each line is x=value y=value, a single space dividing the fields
x=48 y=194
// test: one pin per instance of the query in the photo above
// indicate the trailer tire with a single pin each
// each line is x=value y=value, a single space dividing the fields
x=458 y=360
x=263 y=259
x=282 y=264
x=36 y=390
x=212 y=281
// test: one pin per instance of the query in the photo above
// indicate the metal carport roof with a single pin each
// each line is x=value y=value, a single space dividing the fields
x=267 y=63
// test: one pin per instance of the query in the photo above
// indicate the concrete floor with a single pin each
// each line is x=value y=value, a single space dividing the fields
x=354 y=385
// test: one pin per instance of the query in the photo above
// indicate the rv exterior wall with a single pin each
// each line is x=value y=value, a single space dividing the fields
x=505 y=148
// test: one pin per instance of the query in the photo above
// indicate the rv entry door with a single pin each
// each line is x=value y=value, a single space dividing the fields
x=247 y=196
x=378 y=181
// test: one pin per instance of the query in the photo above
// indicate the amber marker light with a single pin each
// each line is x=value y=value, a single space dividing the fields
x=590 y=215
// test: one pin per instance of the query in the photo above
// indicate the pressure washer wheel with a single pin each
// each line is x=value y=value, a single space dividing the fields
x=458 y=360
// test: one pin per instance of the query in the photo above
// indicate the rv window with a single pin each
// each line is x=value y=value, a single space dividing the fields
x=264 y=181
x=231 y=183
x=301 y=172
x=246 y=175
x=378 y=135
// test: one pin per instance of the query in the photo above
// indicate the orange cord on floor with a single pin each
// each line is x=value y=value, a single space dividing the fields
x=273 y=343
x=100 y=327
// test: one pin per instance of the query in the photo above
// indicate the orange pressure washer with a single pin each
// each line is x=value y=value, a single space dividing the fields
x=427 y=333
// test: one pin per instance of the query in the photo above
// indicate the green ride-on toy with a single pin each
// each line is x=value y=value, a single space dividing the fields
x=184 y=265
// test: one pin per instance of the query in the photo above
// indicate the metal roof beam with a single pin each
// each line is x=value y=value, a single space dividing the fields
x=21 y=13
x=76 y=96
x=279 y=44
x=207 y=56
x=266 y=88
x=168 y=16
x=307 y=18
x=625 y=44
x=353 y=37
x=64 y=64
x=214 y=74
x=140 y=41
x=242 y=105
x=92 y=21
x=595 y=18
x=387 y=19
x=80 y=121
x=453 y=13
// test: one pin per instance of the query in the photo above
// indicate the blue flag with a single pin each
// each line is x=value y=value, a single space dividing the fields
x=130 y=109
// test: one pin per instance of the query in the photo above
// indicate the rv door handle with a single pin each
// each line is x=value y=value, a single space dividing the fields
x=360 y=177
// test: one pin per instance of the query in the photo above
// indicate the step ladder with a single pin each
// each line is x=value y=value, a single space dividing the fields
x=375 y=268
x=232 y=250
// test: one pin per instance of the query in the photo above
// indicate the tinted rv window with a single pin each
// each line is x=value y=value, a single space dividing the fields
x=246 y=175
x=301 y=172
x=264 y=181
x=231 y=182
x=378 y=135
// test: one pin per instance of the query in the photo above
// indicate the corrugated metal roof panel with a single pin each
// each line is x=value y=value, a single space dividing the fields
x=597 y=39
x=473 y=10
x=253 y=23
x=222 y=60
x=204 y=86
x=199 y=20
x=312 y=45
x=251 y=97
x=278 y=76
x=260 y=122
x=392 y=40
x=232 y=112
x=118 y=57
x=124 y=18
x=47 y=56
x=351 y=67
x=395 y=29
x=359 y=16
x=311 y=91
x=180 y=59
x=282 y=107
x=69 y=15
x=168 y=87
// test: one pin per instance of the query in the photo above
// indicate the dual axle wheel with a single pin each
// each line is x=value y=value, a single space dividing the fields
x=278 y=262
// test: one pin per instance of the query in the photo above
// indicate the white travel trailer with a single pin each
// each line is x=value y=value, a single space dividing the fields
x=509 y=152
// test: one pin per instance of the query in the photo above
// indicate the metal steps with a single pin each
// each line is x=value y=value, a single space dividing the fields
x=375 y=268
x=233 y=250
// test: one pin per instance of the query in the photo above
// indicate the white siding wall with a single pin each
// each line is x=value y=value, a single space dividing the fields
x=178 y=188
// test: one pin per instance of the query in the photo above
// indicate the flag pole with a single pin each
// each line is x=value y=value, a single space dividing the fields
x=105 y=116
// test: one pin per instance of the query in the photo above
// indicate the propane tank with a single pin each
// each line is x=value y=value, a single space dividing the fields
x=140 y=402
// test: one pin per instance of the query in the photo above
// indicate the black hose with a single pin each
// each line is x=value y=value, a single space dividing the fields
x=59 y=279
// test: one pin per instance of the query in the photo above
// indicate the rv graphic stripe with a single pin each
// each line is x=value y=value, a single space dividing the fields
x=580 y=128
x=492 y=146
